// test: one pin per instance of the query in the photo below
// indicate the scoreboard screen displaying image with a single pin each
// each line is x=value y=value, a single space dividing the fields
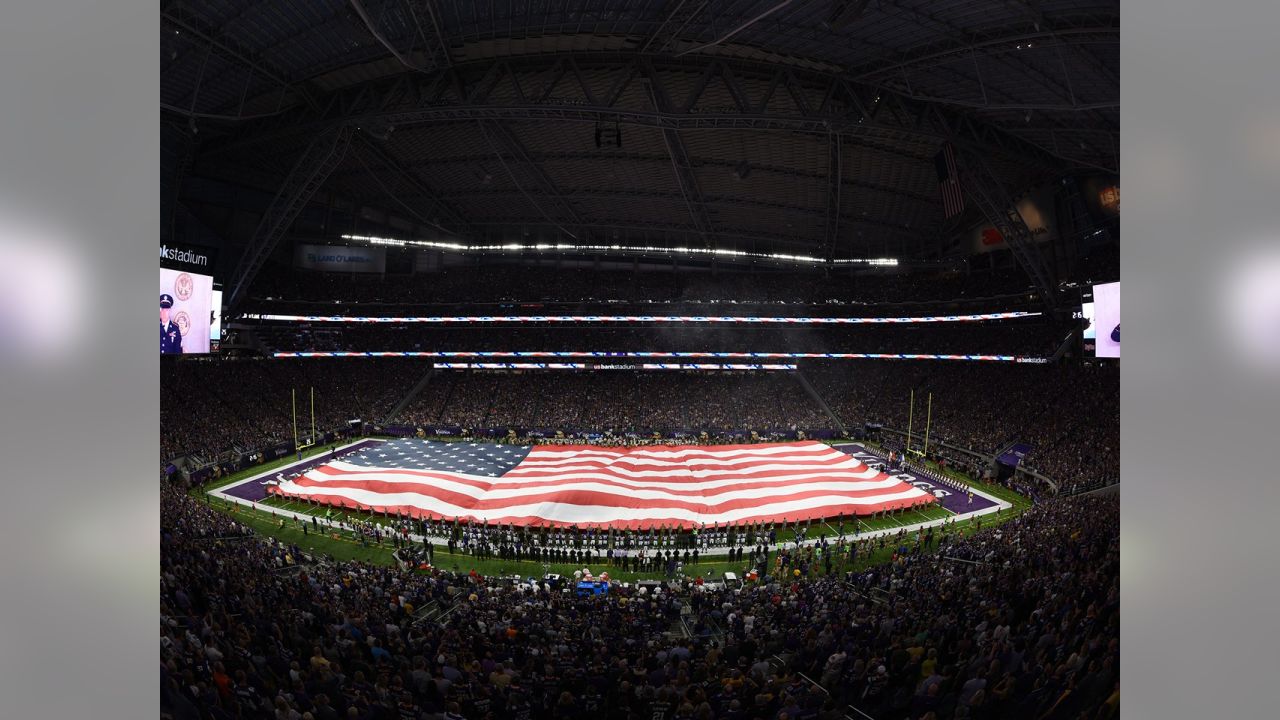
x=185 y=323
x=1106 y=319
x=215 y=323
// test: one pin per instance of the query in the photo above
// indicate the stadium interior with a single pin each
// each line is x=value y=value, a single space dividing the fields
x=662 y=358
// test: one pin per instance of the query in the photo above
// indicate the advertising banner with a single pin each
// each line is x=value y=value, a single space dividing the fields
x=1037 y=212
x=340 y=258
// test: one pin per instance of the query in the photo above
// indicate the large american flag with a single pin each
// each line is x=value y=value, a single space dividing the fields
x=588 y=486
x=949 y=181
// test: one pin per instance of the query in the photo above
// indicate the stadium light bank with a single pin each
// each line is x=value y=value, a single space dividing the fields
x=625 y=249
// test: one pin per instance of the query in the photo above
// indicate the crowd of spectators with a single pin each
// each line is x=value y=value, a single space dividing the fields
x=1029 y=336
x=622 y=401
x=210 y=406
x=278 y=287
x=1101 y=265
x=1069 y=413
x=1020 y=621
x=490 y=283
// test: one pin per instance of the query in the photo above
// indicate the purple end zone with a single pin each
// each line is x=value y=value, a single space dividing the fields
x=952 y=500
x=256 y=490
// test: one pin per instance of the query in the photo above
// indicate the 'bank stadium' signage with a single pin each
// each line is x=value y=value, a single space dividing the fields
x=339 y=258
x=195 y=258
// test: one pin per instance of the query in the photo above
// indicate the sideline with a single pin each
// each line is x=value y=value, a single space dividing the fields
x=220 y=492
x=1003 y=504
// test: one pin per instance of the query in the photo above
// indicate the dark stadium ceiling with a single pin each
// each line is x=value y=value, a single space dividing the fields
x=777 y=125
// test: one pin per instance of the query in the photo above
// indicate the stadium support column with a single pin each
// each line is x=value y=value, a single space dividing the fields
x=409 y=396
x=813 y=393
x=321 y=157
x=992 y=198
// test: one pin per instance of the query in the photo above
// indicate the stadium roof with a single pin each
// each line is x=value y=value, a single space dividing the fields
x=782 y=125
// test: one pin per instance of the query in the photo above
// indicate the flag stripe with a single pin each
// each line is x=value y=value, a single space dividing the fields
x=693 y=475
x=535 y=461
x=564 y=514
x=586 y=485
x=373 y=492
x=620 y=495
x=745 y=451
x=867 y=479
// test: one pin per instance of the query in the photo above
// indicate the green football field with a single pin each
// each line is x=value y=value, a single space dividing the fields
x=346 y=546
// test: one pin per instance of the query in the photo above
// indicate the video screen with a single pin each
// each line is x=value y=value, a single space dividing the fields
x=215 y=320
x=1106 y=319
x=1086 y=315
x=186 y=312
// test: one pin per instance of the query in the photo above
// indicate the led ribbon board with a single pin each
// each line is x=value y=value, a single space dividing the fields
x=585 y=366
x=732 y=319
x=604 y=354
